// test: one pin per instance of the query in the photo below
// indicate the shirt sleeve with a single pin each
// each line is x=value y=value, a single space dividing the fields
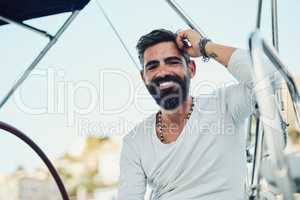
x=132 y=179
x=239 y=98
x=240 y=65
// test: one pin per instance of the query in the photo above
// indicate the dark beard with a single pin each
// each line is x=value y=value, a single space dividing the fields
x=169 y=98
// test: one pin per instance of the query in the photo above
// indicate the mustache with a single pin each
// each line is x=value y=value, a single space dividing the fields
x=158 y=80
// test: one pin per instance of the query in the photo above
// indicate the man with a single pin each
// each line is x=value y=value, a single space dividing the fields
x=193 y=147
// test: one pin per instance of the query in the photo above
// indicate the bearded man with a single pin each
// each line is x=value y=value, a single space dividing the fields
x=193 y=148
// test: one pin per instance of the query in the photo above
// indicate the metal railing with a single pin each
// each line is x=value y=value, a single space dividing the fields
x=273 y=134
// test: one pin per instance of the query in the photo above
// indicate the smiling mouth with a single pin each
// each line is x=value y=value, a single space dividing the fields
x=167 y=84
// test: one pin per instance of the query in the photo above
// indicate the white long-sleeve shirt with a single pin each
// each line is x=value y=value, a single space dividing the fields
x=208 y=159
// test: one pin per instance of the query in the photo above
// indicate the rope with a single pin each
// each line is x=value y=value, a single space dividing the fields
x=117 y=33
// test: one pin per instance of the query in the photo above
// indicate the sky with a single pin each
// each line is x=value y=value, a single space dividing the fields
x=87 y=84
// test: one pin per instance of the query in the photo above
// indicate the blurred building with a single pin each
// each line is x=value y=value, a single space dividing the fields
x=92 y=171
x=96 y=167
x=22 y=186
x=293 y=129
x=288 y=105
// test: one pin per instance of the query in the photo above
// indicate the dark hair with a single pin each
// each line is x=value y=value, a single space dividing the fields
x=155 y=37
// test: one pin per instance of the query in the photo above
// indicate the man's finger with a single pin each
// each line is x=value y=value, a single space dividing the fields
x=186 y=43
x=179 y=39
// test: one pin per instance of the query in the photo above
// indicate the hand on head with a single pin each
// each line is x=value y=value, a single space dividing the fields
x=193 y=37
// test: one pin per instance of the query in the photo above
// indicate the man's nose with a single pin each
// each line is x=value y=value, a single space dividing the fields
x=162 y=70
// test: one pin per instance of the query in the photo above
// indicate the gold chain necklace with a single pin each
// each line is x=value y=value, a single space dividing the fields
x=160 y=125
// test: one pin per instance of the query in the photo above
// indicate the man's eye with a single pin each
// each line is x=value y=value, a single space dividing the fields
x=149 y=67
x=174 y=62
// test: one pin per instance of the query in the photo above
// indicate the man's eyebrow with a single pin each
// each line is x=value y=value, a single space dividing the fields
x=151 y=62
x=171 y=58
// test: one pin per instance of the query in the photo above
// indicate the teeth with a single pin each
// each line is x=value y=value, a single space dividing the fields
x=167 y=84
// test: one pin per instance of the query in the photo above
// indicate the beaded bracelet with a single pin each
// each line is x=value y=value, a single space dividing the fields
x=202 y=43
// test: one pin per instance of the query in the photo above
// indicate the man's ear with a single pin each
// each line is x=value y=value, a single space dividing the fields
x=192 y=68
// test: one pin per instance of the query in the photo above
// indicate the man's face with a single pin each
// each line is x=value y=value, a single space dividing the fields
x=167 y=75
